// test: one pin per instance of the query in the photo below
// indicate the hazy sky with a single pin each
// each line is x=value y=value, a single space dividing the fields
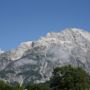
x=23 y=20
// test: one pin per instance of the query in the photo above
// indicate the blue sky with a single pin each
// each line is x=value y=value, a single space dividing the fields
x=23 y=20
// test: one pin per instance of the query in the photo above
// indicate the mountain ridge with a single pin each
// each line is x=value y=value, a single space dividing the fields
x=35 y=60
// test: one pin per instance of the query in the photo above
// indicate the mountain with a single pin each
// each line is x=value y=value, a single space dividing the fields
x=35 y=60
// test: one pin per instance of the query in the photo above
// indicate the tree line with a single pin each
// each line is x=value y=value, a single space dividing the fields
x=63 y=78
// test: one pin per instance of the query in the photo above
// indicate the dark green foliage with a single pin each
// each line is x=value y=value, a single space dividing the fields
x=37 y=87
x=69 y=78
x=6 y=86
x=63 y=78
x=18 y=87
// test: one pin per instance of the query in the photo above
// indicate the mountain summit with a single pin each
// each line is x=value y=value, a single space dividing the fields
x=35 y=60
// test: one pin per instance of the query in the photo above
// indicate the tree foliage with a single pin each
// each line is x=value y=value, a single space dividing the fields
x=69 y=78
x=33 y=86
x=7 y=86
x=63 y=78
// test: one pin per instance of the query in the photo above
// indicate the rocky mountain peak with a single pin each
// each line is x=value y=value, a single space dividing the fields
x=72 y=36
x=67 y=32
x=35 y=60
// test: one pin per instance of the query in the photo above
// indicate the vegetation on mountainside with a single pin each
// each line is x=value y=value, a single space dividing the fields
x=63 y=78
x=69 y=78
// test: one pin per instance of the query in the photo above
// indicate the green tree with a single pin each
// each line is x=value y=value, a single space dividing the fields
x=69 y=78
x=17 y=87
x=7 y=86
x=37 y=87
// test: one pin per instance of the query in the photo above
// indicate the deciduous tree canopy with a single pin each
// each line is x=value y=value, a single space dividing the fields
x=69 y=78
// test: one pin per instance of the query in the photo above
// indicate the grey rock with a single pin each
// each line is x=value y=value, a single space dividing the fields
x=35 y=60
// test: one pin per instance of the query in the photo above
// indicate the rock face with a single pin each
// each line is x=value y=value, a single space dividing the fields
x=35 y=60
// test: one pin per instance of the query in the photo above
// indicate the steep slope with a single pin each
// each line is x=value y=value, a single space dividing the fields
x=35 y=60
